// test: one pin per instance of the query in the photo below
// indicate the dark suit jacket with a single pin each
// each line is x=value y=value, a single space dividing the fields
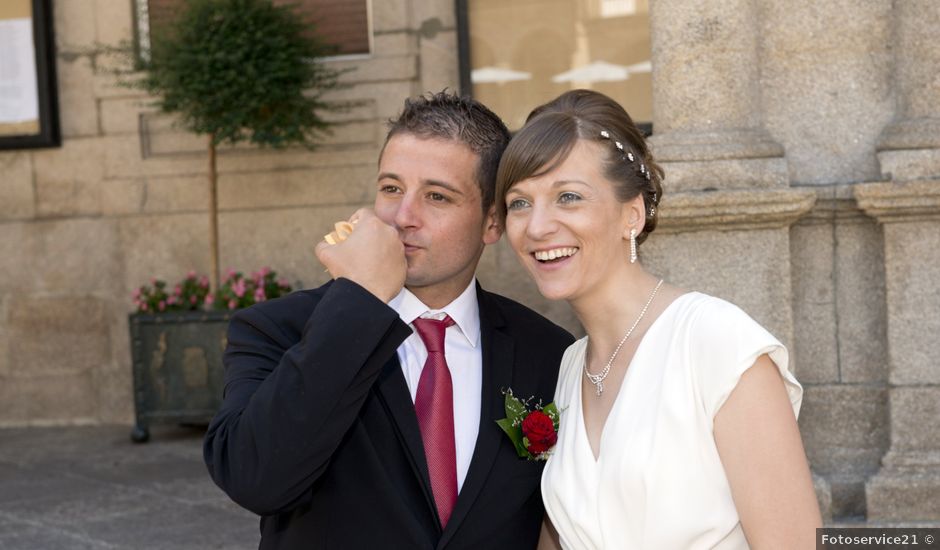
x=317 y=431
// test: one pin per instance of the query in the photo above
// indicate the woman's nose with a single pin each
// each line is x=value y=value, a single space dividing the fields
x=541 y=223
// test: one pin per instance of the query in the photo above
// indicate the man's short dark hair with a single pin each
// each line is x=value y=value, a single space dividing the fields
x=446 y=115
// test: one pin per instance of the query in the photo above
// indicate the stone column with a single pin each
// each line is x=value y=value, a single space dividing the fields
x=723 y=170
x=907 y=487
x=728 y=206
x=910 y=147
x=706 y=97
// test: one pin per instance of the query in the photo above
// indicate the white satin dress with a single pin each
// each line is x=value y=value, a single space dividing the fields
x=658 y=483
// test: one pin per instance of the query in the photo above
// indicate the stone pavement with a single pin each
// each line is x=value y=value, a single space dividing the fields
x=78 y=488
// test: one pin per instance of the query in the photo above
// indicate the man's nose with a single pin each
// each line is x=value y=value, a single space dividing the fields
x=408 y=214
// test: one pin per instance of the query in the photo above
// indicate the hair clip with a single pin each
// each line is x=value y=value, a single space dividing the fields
x=629 y=155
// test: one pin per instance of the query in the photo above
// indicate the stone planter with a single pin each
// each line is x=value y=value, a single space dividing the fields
x=177 y=367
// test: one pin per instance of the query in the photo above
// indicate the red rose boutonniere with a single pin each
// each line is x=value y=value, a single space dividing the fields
x=532 y=429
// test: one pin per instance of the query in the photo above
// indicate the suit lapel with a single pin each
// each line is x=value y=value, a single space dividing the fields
x=497 y=355
x=393 y=391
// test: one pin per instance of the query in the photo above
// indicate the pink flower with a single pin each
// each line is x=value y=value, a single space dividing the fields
x=264 y=271
x=230 y=273
x=203 y=281
x=192 y=300
x=259 y=294
x=178 y=290
x=144 y=307
x=239 y=288
x=232 y=304
x=210 y=299
x=136 y=294
x=171 y=300
x=283 y=282
x=153 y=280
x=162 y=305
x=191 y=274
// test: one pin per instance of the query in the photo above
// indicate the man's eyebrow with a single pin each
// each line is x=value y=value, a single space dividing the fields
x=388 y=175
x=448 y=186
x=431 y=182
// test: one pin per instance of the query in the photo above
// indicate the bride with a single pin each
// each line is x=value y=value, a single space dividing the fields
x=679 y=426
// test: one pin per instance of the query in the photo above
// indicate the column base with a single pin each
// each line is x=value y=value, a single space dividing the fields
x=823 y=496
x=907 y=489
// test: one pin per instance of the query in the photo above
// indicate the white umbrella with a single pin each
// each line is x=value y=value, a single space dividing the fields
x=486 y=75
x=598 y=71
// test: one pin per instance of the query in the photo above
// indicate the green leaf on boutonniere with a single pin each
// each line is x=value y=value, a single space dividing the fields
x=515 y=409
x=515 y=435
x=552 y=411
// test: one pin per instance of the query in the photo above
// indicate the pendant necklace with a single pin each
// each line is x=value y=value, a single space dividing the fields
x=598 y=379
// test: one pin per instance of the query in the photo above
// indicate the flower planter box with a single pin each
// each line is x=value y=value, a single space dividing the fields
x=177 y=367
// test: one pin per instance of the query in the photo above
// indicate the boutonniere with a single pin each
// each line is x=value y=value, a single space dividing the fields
x=533 y=429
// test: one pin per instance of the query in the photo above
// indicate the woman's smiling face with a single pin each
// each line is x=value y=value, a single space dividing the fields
x=567 y=226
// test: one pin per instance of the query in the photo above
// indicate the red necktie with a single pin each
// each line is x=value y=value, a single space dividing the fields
x=434 y=405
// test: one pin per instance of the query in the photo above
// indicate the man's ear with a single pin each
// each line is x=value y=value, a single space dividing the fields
x=633 y=214
x=492 y=231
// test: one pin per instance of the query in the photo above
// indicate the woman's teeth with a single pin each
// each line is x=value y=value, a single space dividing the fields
x=554 y=254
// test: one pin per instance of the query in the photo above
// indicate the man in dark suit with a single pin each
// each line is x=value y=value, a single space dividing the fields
x=362 y=414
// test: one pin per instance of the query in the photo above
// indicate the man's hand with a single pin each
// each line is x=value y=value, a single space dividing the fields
x=372 y=256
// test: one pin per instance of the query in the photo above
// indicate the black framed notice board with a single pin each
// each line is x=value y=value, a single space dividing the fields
x=29 y=116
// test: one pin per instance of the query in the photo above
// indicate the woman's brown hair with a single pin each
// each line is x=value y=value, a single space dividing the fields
x=550 y=133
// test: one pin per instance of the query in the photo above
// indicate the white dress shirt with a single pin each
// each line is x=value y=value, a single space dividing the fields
x=464 y=360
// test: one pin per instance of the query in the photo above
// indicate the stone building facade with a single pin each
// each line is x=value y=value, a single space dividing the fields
x=801 y=143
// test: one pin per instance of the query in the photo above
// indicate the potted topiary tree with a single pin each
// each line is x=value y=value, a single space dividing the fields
x=232 y=71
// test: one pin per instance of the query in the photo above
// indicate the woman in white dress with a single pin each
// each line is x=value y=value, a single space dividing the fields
x=678 y=425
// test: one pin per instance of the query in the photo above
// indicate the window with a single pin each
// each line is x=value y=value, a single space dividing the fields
x=346 y=24
x=517 y=55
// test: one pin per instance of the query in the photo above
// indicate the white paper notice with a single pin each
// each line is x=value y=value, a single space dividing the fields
x=18 y=89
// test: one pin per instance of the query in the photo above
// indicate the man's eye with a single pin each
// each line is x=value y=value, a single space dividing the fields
x=437 y=197
x=569 y=197
x=516 y=204
x=389 y=189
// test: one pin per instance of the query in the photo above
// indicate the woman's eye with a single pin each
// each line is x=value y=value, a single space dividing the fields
x=516 y=204
x=568 y=197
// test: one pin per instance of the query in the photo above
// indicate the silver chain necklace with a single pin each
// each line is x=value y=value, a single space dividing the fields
x=598 y=379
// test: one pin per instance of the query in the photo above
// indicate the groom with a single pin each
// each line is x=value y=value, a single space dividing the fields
x=362 y=414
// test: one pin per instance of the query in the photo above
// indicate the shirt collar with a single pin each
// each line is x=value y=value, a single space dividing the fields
x=464 y=310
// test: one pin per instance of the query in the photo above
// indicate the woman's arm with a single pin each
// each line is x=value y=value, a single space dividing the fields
x=762 y=454
x=548 y=537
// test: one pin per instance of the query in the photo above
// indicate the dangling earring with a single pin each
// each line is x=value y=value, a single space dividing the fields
x=633 y=246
